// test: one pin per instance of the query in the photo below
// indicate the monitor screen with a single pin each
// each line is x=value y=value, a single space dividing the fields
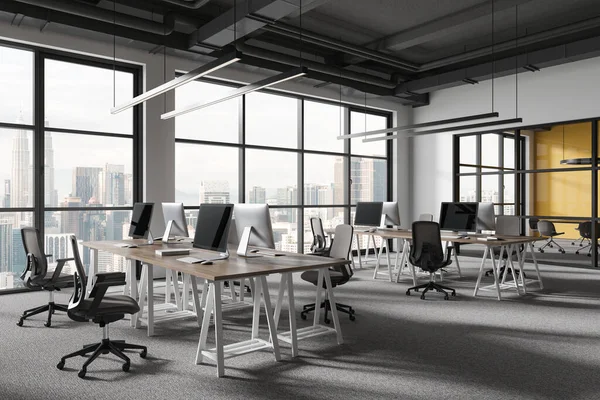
x=140 y=220
x=174 y=212
x=368 y=213
x=459 y=217
x=212 y=227
x=392 y=214
x=486 y=217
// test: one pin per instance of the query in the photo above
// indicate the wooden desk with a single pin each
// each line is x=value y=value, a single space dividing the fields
x=254 y=268
x=506 y=244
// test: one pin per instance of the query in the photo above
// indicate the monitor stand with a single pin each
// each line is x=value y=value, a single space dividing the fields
x=242 y=250
x=167 y=234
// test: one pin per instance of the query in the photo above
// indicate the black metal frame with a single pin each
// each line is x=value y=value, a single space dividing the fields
x=301 y=152
x=40 y=55
x=520 y=172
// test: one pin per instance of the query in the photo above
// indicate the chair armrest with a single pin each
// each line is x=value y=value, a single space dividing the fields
x=60 y=263
x=102 y=281
x=48 y=255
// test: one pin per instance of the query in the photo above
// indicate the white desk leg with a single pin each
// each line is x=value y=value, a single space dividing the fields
x=93 y=268
x=185 y=300
x=358 y=250
x=269 y=311
x=521 y=263
x=256 y=309
x=336 y=320
x=456 y=261
x=402 y=260
x=317 y=315
x=387 y=254
x=509 y=260
x=150 y=301
x=535 y=264
x=280 y=295
x=495 y=271
x=197 y=306
x=368 y=247
x=504 y=250
x=292 y=315
x=175 y=280
x=483 y=260
x=168 y=282
x=218 y=317
x=205 y=321
x=142 y=301
x=397 y=255
x=205 y=293
x=378 y=262
x=132 y=287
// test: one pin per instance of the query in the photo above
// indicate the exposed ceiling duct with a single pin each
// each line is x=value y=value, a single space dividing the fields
x=193 y=5
x=104 y=15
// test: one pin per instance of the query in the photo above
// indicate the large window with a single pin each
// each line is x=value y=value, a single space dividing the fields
x=280 y=150
x=86 y=155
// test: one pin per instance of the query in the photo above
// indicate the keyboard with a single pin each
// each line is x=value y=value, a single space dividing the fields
x=190 y=260
x=172 y=252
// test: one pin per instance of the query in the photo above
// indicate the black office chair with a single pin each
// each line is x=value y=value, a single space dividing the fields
x=581 y=227
x=340 y=248
x=585 y=230
x=319 y=243
x=101 y=310
x=427 y=253
x=547 y=229
x=37 y=276
x=533 y=226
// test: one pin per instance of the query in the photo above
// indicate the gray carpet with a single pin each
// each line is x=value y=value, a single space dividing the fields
x=542 y=346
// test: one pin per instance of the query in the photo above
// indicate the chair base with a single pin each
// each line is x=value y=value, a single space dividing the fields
x=552 y=243
x=51 y=307
x=327 y=306
x=503 y=269
x=432 y=286
x=104 y=347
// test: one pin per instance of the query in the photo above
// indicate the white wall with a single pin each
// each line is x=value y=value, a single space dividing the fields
x=561 y=93
x=159 y=155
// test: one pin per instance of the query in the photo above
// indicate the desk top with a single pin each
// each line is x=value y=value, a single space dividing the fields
x=473 y=238
x=234 y=267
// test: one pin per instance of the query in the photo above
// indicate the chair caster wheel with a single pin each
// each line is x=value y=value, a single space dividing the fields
x=541 y=251
x=422 y=297
x=48 y=324
x=302 y=315
x=20 y=323
x=446 y=297
x=126 y=367
x=551 y=246
x=327 y=321
x=408 y=292
x=589 y=255
x=577 y=252
x=144 y=353
x=352 y=317
x=60 y=365
x=81 y=373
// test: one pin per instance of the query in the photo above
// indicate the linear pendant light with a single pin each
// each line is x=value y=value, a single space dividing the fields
x=205 y=69
x=422 y=125
x=273 y=80
x=449 y=129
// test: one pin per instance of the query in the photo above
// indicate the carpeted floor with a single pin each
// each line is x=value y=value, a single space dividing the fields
x=545 y=345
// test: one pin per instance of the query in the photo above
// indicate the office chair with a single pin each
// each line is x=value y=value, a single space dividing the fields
x=426 y=217
x=319 y=243
x=340 y=248
x=102 y=310
x=508 y=225
x=37 y=276
x=533 y=227
x=547 y=229
x=585 y=230
x=427 y=253
x=583 y=238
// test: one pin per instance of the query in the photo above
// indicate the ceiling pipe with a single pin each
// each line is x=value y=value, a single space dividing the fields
x=334 y=44
x=108 y=16
x=314 y=66
x=192 y=5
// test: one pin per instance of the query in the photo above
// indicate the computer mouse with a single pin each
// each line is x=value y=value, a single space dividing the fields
x=206 y=262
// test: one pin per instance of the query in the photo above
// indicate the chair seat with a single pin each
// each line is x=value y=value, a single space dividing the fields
x=62 y=281
x=118 y=304
x=337 y=278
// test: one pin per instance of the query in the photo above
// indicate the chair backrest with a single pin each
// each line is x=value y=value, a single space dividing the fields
x=546 y=228
x=36 y=258
x=585 y=230
x=319 y=243
x=340 y=247
x=508 y=225
x=533 y=224
x=426 y=251
x=80 y=278
x=426 y=217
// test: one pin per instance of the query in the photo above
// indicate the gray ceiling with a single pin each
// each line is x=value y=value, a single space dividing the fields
x=400 y=48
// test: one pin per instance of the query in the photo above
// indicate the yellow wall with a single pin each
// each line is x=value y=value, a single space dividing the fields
x=562 y=193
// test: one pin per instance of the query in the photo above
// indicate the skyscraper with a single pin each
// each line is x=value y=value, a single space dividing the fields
x=338 y=181
x=50 y=193
x=257 y=195
x=20 y=172
x=112 y=181
x=214 y=192
x=6 y=231
x=6 y=200
x=86 y=183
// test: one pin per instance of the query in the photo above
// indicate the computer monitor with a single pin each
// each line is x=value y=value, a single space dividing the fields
x=392 y=214
x=258 y=217
x=139 y=227
x=460 y=217
x=212 y=227
x=175 y=212
x=368 y=213
x=486 y=217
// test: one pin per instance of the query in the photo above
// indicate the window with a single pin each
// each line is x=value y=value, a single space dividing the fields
x=265 y=148
x=86 y=156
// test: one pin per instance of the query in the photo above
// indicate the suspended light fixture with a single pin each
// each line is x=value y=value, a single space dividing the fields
x=271 y=81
